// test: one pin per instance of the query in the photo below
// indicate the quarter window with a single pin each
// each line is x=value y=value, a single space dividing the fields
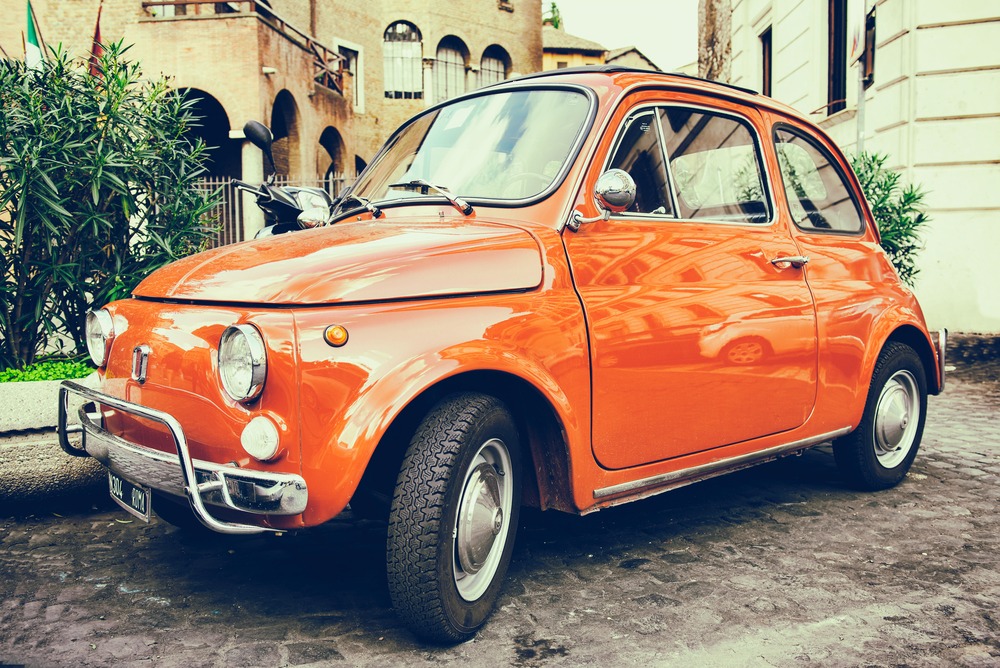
x=818 y=197
x=639 y=153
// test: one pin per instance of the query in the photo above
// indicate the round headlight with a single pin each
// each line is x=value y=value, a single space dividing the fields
x=242 y=362
x=100 y=331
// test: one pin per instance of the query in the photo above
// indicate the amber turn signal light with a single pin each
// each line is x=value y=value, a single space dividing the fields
x=335 y=335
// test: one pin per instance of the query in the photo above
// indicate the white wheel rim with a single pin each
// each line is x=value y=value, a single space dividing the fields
x=897 y=415
x=481 y=524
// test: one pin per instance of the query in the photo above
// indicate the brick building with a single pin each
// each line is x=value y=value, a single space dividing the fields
x=332 y=79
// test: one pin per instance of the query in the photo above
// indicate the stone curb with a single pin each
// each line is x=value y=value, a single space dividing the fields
x=34 y=470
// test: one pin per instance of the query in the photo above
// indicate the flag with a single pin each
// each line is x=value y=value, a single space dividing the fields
x=33 y=54
x=97 y=50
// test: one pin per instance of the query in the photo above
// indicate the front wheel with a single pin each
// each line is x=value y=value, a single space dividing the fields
x=454 y=516
x=878 y=454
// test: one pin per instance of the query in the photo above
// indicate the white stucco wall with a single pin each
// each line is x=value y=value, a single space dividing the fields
x=934 y=108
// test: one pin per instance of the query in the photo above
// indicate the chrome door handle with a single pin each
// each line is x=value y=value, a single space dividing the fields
x=794 y=260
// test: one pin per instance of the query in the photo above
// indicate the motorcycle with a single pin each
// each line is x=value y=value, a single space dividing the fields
x=286 y=208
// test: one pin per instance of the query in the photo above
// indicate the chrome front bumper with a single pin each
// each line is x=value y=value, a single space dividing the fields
x=203 y=483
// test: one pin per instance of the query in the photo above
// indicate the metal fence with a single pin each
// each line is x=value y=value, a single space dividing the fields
x=228 y=213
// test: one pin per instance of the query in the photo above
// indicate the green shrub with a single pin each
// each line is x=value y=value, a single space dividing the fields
x=47 y=370
x=97 y=190
x=898 y=211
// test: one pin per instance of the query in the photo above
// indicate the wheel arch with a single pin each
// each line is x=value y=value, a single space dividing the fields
x=546 y=463
x=913 y=337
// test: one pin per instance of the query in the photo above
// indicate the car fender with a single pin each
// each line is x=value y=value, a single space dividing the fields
x=340 y=455
x=900 y=321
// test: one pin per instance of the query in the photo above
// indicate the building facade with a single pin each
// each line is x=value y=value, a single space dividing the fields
x=565 y=50
x=930 y=81
x=332 y=79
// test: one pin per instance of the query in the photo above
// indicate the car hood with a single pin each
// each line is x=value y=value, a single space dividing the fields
x=356 y=261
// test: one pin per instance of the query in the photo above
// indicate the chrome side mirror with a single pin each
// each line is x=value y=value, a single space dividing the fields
x=614 y=192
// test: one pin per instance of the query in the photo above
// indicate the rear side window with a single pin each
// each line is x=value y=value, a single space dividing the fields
x=693 y=164
x=818 y=196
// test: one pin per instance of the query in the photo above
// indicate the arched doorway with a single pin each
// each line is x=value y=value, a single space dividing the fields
x=213 y=129
x=285 y=128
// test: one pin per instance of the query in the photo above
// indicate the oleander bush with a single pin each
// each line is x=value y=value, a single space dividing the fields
x=898 y=209
x=97 y=189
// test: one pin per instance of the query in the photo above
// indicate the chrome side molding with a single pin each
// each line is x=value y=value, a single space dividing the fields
x=667 y=481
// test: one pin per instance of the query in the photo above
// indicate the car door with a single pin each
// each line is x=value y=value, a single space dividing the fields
x=700 y=336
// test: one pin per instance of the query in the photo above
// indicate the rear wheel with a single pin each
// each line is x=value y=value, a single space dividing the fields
x=878 y=454
x=454 y=517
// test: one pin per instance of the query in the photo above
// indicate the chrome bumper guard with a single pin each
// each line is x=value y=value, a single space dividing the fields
x=201 y=482
x=940 y=339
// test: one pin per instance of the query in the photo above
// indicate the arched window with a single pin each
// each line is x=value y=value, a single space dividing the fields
x=402 y=54
x=495 y=66
x=449 y=68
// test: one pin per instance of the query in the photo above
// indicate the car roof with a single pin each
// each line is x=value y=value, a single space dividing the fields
x=631 y=77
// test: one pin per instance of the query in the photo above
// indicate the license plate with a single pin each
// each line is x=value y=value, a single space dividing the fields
x=133 y=498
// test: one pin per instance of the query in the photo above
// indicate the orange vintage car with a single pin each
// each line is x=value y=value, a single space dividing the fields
x=523 y=300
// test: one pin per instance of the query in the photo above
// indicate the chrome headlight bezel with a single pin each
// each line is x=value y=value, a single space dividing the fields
x=99 y=329
x=242 y=361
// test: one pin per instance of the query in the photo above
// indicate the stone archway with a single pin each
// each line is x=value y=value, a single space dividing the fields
x=224 y=159
x=285 y=128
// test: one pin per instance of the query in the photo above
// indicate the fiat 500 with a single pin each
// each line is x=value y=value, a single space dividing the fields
x=567 y=291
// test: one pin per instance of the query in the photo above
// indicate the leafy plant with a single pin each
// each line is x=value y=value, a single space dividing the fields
x=55 y=369
x=898 y=210
x=97 y=179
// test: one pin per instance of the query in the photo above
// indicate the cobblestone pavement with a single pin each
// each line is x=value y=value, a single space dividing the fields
x=779 y=565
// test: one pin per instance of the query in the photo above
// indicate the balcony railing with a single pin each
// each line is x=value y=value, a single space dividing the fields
x=328 y=63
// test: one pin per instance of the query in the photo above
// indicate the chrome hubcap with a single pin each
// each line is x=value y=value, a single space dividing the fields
x=896 y=416
x=480 y=527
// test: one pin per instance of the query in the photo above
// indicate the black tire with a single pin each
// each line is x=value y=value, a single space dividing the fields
x=445 y=575
x=878 y=454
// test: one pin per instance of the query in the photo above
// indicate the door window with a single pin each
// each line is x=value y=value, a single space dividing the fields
x=715 y=166
x=693 y=164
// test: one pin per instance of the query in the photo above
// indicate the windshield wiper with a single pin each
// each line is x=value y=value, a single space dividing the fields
x=363 y=201
x=424 y=187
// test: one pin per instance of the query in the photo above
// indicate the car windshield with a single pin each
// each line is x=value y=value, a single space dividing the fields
x=510 y=145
